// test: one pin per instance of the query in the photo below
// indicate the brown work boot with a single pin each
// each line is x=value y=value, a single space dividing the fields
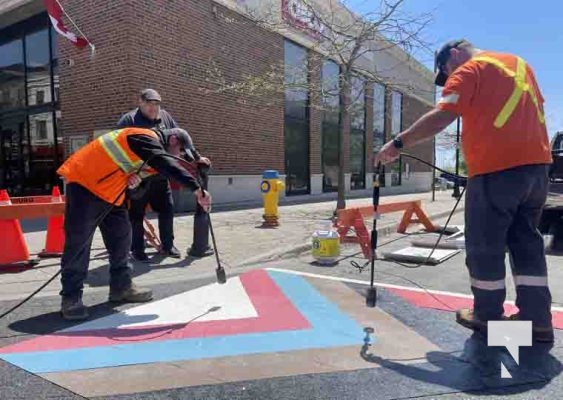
x=539 y=334
x=465 y=317
x=133 y=294
x=73 y=309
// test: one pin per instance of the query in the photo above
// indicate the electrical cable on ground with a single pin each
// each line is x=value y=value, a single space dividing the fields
x=103 y=214
x=98 y=221
x=360 y=268
x=112 y=205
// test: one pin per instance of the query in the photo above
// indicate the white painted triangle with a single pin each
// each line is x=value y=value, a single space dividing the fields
x=207 y=303
x=504 y=372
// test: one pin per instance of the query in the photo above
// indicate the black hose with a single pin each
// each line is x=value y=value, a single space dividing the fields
x=103 y=214
x=362 y=267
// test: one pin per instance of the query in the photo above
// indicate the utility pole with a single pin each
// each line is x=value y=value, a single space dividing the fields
x=456 y=193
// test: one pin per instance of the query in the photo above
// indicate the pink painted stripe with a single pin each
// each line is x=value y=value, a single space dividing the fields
x=447 y=302
x=275 y=313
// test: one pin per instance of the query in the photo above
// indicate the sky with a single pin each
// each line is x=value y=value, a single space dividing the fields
x=532 y=30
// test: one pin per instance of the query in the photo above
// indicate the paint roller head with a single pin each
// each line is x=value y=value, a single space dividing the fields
x=371 y=298
x=221 y=275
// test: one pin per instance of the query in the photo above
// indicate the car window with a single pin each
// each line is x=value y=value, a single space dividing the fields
x=558 y=143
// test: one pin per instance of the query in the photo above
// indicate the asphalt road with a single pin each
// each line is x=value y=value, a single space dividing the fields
x=461 y=367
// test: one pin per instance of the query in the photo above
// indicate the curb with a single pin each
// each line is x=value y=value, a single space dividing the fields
x=289 y=251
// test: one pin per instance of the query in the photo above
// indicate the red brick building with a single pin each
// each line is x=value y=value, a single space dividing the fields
x=55 y=97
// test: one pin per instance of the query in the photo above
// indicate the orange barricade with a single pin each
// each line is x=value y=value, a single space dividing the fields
x=353 y=219
x=55 y=241
x=13 y=249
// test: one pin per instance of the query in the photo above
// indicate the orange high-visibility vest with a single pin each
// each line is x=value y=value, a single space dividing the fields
x=520 y=87
x=501 y=107
x=104 y=165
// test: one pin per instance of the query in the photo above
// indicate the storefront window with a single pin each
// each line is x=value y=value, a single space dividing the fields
x=395 y=168
x=296 y=119
x=378 y=117
x=330 y=126
x=358 y=135
x=38 y=68
x=12 y=75
x=30 y=142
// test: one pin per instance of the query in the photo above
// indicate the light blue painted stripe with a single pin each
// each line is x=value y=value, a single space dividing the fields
x=331 y=328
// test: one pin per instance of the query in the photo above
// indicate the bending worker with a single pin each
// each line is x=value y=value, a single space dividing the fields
x=506 y=148
x=97 y=178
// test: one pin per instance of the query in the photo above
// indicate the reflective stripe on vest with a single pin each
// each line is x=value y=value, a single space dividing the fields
x=117 y=154
x=520 y=86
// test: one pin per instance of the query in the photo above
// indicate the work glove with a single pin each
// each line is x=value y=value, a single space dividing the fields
x=136 y=188
x=204 y=199
x=205 y=161
x=133 y=181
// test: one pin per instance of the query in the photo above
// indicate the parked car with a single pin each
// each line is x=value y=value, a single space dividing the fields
x=443 y=184
x=551 y=222
x=453 y=179
x=556 y=171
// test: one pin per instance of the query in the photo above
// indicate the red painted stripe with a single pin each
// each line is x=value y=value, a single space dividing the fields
x=275 y=313
x=446 y=302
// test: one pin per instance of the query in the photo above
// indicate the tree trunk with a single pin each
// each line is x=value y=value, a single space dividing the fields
x=345 y=93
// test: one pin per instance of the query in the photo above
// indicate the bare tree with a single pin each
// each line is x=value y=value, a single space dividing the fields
x=337 y=34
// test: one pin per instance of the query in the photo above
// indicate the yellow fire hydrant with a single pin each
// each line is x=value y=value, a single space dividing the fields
x=271 y=188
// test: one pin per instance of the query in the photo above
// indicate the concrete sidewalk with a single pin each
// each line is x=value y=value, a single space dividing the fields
x=241 y=241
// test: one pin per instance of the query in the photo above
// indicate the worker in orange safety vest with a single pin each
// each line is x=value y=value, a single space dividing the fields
x=506 y=148
x=97 y=177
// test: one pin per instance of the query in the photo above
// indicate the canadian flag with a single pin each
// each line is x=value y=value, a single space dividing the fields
x=55 y=11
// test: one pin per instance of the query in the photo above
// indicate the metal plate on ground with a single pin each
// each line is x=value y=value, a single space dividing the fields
x=451 y=243
x=419 y=254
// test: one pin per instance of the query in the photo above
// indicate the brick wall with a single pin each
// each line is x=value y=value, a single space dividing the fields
x=172 y=46
x=94 y=90
x=412 y=110
x=168 y=45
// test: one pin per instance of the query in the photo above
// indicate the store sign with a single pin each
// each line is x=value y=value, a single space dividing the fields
x=299 y=15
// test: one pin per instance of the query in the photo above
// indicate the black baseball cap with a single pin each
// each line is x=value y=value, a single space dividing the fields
x=442 y=58
x=182 y=135
x=150 y=95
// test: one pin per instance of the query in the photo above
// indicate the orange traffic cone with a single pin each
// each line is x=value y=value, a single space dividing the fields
x=13 y=249
x=55 y=242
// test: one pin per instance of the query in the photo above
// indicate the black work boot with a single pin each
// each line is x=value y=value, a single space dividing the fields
x=172 y=252
x=466 y=317
x=200 y=254
x=132 y=294
x=140 y=256
x=72 y=309
x=539 y=334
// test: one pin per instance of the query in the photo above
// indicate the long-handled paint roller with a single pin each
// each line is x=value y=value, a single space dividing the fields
x=219 y=271
x=371 y=298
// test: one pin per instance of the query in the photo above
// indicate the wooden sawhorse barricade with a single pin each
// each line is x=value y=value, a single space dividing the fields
x=353 y=219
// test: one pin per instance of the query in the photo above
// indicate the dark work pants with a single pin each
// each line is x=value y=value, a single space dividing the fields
x=200 y=242
x=502 y=211
x=83 y=214
x=159 y=196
